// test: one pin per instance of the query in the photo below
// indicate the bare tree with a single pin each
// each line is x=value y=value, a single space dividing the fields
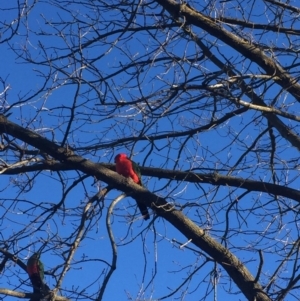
x=204 y=95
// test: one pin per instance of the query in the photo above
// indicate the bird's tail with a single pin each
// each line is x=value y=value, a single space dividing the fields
x=144 y=211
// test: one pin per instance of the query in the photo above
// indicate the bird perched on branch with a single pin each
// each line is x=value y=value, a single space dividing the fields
x=129 y=169
x=35 y=270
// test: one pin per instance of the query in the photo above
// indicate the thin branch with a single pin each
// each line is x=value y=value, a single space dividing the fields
x=113 y=265
x=234 y=267
x=246 y=48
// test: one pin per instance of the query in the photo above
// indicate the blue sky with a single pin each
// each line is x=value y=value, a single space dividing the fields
x=150 y=263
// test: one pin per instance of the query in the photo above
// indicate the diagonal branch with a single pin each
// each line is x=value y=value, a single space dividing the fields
x=215 y=178
x=247 y=49
x=234 y=267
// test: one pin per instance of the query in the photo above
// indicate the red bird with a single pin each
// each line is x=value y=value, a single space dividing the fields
x=35 y=270
x=130 y=169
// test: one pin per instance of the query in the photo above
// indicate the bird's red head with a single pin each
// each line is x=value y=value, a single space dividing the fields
x=120 y=157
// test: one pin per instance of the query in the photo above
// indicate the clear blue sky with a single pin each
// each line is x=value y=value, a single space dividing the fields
x=148 y=258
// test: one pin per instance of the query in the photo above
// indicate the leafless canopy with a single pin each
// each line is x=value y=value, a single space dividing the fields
x=204 y=95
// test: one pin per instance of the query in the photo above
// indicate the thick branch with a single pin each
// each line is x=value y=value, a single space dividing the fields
x=214 y=178
x=236 y=270
x=7 y=292
x=247 y=49
x=252 y=25
x=221 y=180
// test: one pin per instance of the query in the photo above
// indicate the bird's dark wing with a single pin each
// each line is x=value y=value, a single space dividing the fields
x=137 y=171
x=143 y=208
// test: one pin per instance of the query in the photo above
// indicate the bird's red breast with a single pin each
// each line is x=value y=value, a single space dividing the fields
x=124 y=168
x=33 y=269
